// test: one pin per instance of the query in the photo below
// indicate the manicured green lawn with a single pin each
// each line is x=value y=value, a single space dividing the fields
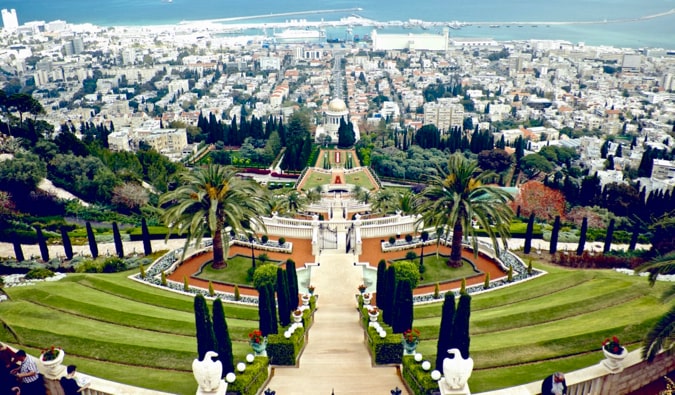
x=314 y=180
x=359 y=178
x=555 y=322
x=117 y=329
x=437 y=269
x=235 y=272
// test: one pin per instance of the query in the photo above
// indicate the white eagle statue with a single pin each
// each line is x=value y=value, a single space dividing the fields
x=208 y=372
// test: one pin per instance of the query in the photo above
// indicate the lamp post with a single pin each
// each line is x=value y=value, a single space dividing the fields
x=250 y=240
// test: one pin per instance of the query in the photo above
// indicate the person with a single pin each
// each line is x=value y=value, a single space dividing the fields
x=28 y=374
x=69 y=384
x=7 y=380
x=554 y=385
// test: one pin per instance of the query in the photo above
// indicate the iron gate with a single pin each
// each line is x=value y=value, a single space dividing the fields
x=329 y=237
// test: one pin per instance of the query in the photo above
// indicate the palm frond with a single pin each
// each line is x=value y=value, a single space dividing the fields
x=661 y=336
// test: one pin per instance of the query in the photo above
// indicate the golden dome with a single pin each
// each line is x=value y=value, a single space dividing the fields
x=337 y=105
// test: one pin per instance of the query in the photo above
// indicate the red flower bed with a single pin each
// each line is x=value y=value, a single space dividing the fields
x=275 y=174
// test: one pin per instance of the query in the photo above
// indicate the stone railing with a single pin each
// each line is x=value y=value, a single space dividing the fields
x=379 y=227
x=597 y=380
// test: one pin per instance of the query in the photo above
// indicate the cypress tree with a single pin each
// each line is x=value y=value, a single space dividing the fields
x=147 y=246
x=528 y=235
x=634 y=237
x=403 y=311
x=18 y=252
x=67 y=245
x=205 y=339
x=445 y=329
x=486 y=283
x=93 y=247
x=386 y=303
x=237 y=295
x=163 y=279
x=186 y=284
x=460 y=327
x=119 y=248
x=553 y=245
x=264 y=315
x=608 y=237
x=462 y=288
x=582 y=236
x=274 y=323
x=292 y=280
x=212 y=292
x=379 y=286
x=283 y=298
x=509 y=276
x=222 y=335
x=44 y=251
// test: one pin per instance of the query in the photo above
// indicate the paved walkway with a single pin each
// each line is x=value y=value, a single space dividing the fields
x=336 y=357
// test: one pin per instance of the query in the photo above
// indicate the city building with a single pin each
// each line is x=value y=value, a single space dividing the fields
x=445 y=113
x=10 y=22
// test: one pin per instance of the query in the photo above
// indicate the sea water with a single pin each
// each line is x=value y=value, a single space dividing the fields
x=656 y=32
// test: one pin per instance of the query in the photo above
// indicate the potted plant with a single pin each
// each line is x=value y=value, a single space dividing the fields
x=614 y=354
x=366 y=298
x=373 y=313
x=311 y=289
x=411 y=338
x=52 y=362
x=362 y=288
x=257 y=341
x=305 y=299
x=297 y=315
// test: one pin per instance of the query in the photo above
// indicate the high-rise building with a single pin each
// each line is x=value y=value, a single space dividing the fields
x=445 y=113
x=74 y=46
x=9 y=20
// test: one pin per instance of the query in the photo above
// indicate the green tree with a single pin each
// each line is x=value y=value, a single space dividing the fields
x=454 y=198
x=403 y=306
x=386 y=301
x=460 y=328
x=292 y=278
x=21 y=174
x=662 y=334
x=445 y=329
x=283 y=298
x=209 y=200
x=222 y=337
x=380 y=284
x=93 y=247
x=206 y=340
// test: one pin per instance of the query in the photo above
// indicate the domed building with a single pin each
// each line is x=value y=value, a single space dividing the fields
x=337 y=109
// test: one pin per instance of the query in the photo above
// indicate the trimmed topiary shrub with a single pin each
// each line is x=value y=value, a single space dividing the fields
x=237 y=295
x=486 y=284
x=212 y=292
x=39 y=274
x=411 y=255
x=249 y=381
x=282 y=241
x=265 y=275
x=437 y=291
x=264 y=239
x=385 y=351
x=407 y=270
x=186 y=284
x=418 y=379
x=282 y=351
x=408 y=238
x=163 y=279
x=392 y=240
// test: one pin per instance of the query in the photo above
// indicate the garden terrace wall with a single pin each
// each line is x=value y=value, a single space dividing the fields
x=596 y=379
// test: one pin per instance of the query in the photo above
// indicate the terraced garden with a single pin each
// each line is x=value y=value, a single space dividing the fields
x=120 y=330
x=116 y=329
x=553 y=323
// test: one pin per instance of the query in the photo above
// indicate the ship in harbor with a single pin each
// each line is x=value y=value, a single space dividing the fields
x=300 y=34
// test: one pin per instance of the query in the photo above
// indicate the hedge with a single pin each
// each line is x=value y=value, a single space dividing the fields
x=418 y=379
x=250 y=381
x=282 y=351
x=388 y=350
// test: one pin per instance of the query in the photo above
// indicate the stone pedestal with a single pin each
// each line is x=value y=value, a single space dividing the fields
x=53 y=369
x=445 y=389
x=221 y=390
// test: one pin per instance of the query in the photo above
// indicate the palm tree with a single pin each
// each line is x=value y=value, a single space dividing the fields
x=385 y=201
x=293 y=202
x=459 y=196
x=209 y=200
x=662 y=334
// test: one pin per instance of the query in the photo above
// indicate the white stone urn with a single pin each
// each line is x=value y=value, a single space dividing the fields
x=305 y=299
x=53 y=369
x=208 y=374
x=297 y=316
x=373 y=314
x=614 y=362
x=366 y=298
x=456 y=372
